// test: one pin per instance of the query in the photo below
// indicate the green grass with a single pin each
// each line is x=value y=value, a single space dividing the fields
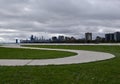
x=101 y=48
x=102 y=72
x=13 y=53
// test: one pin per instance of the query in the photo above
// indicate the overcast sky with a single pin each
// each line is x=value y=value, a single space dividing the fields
x=21 y=18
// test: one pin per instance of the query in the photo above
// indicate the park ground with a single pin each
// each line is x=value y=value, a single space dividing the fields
x=101 y=72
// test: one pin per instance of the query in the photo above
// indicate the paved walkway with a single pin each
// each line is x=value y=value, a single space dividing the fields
x=82 y=57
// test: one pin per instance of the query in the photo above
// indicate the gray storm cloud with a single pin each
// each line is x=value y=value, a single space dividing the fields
x=20 y=18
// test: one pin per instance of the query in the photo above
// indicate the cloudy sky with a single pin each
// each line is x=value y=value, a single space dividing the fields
x=21 y=18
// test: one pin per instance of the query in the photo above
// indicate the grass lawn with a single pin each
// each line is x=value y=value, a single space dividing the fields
x=102 y=72
x=12 y=53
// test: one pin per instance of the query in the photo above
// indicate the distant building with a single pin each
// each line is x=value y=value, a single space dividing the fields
x=32 y=38
x=54 y=39
x=88 y=37
x=99 y=39
x=73 y=38
x=117 y=36
x=16 y=40
x=109 y=37
x=67 y=38
x=61 y=38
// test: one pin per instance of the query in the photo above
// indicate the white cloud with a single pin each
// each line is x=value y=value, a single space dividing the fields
x=20 y=18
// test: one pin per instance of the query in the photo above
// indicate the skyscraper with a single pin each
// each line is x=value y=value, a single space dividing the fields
x=109 y=37
x=61 y=38
x=88 y=36
x=117 y=36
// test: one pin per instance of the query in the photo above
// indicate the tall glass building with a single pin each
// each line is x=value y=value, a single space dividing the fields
x=117 y=36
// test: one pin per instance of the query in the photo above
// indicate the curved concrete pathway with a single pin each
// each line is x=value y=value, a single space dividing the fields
x=82 y=57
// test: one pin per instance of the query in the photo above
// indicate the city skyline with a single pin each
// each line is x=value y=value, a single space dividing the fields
x=21 y=18
x=113 y=37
